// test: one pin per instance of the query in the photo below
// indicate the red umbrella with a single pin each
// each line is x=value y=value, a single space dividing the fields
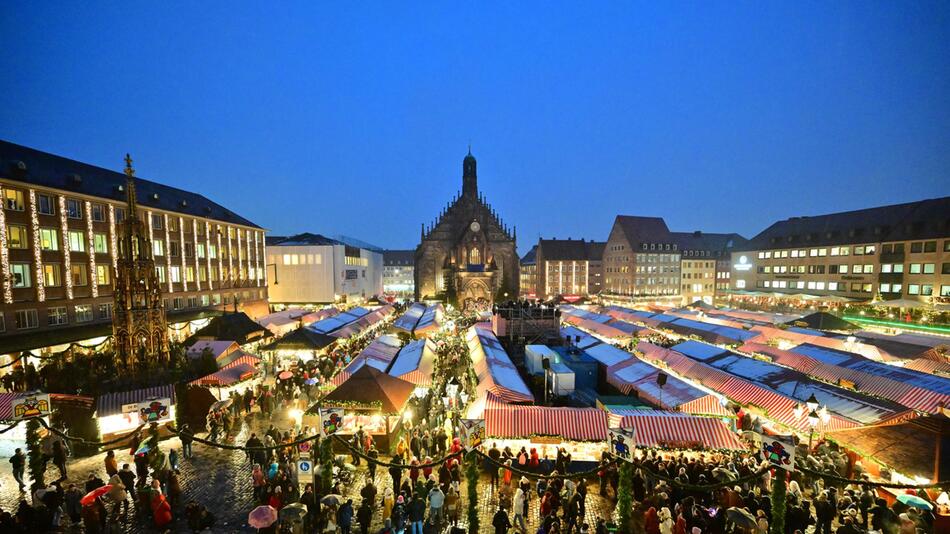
x=286 y=375
x=95 y=494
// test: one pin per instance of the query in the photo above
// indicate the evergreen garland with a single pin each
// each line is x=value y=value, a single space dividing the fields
x=471 y=477
x=326 y=464
x=35 y=455
x=777 y=525
x=625 y=496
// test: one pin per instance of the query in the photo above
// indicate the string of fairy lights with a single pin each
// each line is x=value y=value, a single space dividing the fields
x=91 y=244
x=5 y=256
x=37 y=248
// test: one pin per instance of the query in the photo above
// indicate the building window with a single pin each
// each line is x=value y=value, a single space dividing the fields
x=885 y=288
x=189 y=250
x=205 y=300
x=200 y=249
x=51 y=275
x=212 y=251
x=915 y=268
x=158 y=247
x=26 y=319
x=945 y=291
x=77 y=241
x=16 y=236
x=189 y=274
x=119 y=215
x=173 y=249
x=176 y=303
x=927 y=290
x=79 y=274
x=105 y=311
x=945 y=268
x=98 y=213
x=56 y=316
x=917 y=247
x=83 y=313
x=913 y=289
x=13 y=200
x=157 y=221
x=103 y=273
x=21 y=275
x=192 y=302
x=216 y=299
x=73 y=208
x=175 y=274
x=930 y=246
x=49 y=239
x=929 y=268
x=45 y=205
x=160 y=270
x=100 y=243
x=896 y=288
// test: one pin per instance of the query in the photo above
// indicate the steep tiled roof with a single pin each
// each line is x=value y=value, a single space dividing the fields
x=643 y=229
x=924 y=219
x=31 y=166
x=595 y=250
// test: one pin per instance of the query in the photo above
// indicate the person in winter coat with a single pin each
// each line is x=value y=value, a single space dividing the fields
x=399 y=514
x=436 y=502
x=666 y=521
x=71 y=503
x=518 y=507
x=452 y=506
x=389 y=501
x=161 y=510
x=117 y=494
x=417 y=514
x=364 y=516
x=501 y=522
x=344 y=517
x=651 y=521
x=111 y=464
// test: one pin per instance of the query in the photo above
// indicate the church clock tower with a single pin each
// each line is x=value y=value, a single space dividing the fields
x=138 y=321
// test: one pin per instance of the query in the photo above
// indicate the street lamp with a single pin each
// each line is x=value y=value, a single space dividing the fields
x=274 y=265
x=812 y=403
x=452 y=387
x=812 y=423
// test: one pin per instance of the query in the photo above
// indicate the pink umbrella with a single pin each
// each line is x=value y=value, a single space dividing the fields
x=262 y=516
x=285 y=375
x=95 y=494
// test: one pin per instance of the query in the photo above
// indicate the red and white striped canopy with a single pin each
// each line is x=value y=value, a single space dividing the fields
x=504 y=420
x=671 y=429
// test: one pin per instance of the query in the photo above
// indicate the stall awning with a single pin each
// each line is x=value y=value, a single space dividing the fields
x=240 y=369
x=675 y=430
x=111 y=403
x=415 y=362
x=504 y=420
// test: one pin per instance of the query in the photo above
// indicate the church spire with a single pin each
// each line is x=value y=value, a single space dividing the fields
x=130 y=186
x=469 y=175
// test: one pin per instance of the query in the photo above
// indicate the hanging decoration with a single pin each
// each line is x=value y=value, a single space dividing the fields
x=113 y=240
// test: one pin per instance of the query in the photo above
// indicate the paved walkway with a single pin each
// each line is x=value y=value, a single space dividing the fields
x=220 y=480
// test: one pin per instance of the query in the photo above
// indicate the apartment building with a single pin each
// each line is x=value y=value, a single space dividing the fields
x=315 y=269
x=641 y=260
x=58 y=249
x=704 y=258
x=892 y=252
x=398 y=273
x=529 y=274
x=569 y=267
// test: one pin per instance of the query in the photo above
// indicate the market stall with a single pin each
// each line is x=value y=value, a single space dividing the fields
x=237 y=376
x=674 y=430
x=415 y=363
x=303 y=344
x=581 y=431
x=430 y=322
x=119 y=413
x=379 y=354
x=635 y=375
x=494 y=369
x=371 y=399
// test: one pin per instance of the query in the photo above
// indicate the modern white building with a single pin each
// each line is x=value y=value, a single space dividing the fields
x=398 y=273
x=315 y=269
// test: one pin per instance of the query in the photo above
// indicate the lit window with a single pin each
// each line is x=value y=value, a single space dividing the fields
x=26 y=319
x=51 y=275
x=13 y=200
x=77 y=242
x=105 y=311
x=100 y=243
x=176 y=274
x=103 y=273
x=49 y=239
x=21 y=275
x=929 y=268
x=158 y=247
x=17 y=236
x=79 y=274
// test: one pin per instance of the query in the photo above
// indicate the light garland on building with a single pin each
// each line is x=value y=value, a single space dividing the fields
x=220 y=262
x=91 y=237
x=5 y=257
x=208 y=253
x=240 y=276
x=37 y=248
x=230 y=262
x=258 y=254
x=168 y=255
x=194 y=245
x=64 y=228
x=113 y=243
x=184 y=262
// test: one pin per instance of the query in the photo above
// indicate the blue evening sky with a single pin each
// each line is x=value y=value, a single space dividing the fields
x=721 y=116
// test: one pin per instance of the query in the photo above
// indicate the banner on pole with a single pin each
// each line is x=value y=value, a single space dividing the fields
x=331 y=420
x=473 y=433
x=778 y=452
x=31 y=405
x=621 y=442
